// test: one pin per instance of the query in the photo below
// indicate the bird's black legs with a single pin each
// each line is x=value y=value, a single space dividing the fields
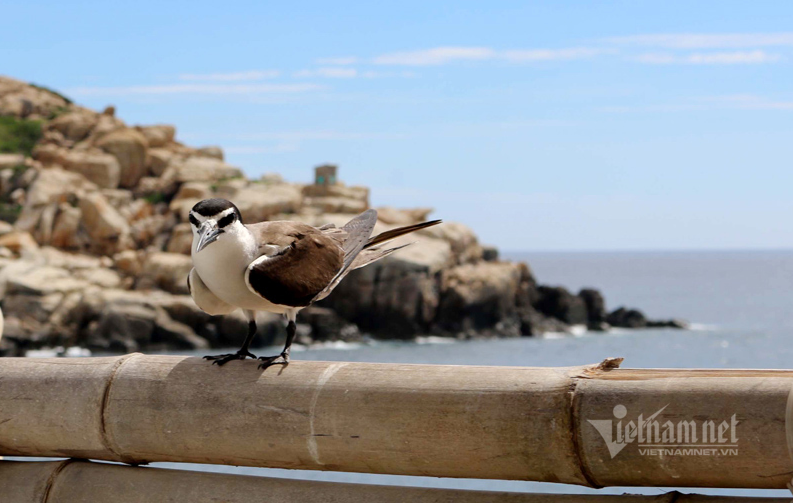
x=283 y=358
x=243 y=352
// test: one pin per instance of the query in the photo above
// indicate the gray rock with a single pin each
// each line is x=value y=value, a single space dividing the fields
x=559 y=303
x=172 y=334
x=626 y=318
x=166 y=271
x=595 y=305
x=129 y=148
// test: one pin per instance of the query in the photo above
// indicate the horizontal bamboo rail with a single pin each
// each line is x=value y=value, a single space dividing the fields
x=442 y=421
x=83 y=482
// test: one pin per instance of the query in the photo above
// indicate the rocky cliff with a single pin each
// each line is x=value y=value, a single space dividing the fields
x=94 y=246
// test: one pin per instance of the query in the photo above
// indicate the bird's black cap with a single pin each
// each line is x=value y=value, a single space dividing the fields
x=211 y=207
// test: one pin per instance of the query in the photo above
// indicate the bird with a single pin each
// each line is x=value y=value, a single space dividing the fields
x=276 y=266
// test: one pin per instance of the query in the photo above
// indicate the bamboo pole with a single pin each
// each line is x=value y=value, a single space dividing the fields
x=443 y=421
x=84 y=482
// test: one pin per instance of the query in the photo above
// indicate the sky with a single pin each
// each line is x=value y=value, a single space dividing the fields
x=547 y=126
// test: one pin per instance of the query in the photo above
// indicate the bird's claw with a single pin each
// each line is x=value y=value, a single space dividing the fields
x=223 y=359
x=268 y=361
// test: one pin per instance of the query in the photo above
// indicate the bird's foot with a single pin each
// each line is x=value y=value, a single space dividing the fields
x=223 y=359
x=267 y=361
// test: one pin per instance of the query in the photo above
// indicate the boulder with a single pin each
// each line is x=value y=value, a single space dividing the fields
x=159 y=158
x=464 y=243
x=326 y=325
x=595 y=305
x=96 y=166
x=534 y=323
x=181 y=240
x=24 y=100
x=108 y=230
x=76 y=125
x=626 y=318
x=673 y=323
x=37 y=280
x=18 y=242
x=158 y=135
x=5 y=228
x=211 y=151
x=489 y=253
x=396 y=296
x=559 y=303
x=128 y=262
x=11 y=161
x=56 y=185
x=399 y=217
x=65 y=230
x=337 y=198
x=187 y=196
x=124 y=327
x=183 y=309
x=128 y=146
x=204 y=169
x=167 y=271
x=337 y=190
x=260 y=202
x=477 y=297
x=171 y=334
x=148 y=230
x=121 y=199
x=337 y=204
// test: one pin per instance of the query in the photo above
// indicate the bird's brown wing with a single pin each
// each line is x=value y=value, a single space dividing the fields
x=297 y=262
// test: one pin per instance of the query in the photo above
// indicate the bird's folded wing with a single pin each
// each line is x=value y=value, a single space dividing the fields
x=204 y=298
x=307 y=261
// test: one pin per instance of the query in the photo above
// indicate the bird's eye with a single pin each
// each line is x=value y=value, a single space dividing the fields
x=227 y=220
x=193 y=220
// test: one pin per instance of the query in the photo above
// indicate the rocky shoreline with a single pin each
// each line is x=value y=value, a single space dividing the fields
x=94 y=247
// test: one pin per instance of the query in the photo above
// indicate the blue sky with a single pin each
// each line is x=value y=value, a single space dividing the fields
x=543 y=125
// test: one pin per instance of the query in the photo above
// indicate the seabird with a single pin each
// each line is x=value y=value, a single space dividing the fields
x=279 y=266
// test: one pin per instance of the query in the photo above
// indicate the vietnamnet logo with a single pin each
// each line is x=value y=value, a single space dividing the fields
x=670 y=438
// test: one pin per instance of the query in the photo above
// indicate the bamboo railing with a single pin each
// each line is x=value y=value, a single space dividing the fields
x=84 y=482
x=441 y=421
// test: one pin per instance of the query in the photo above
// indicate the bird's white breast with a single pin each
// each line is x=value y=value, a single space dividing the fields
x=222 y=266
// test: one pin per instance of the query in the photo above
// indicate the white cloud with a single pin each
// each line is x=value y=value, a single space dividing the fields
x=435 y=56
x=194 y=89
x=444 y=55
x=707 y=41
x=551 y=54
x=733 y=101
x=258 y=149
x=751 y=102
x=231 y=77
x=328 y=72
x=350 y=60
x=712 y=58
x=298 y=136
x=372 y=74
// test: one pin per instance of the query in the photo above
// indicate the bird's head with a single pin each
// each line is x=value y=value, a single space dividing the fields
x=210 y=219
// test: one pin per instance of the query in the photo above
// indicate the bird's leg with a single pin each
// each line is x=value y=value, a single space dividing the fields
x=283 y=358
x=243 y=352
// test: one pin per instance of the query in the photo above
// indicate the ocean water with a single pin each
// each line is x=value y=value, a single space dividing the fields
x=740 y=304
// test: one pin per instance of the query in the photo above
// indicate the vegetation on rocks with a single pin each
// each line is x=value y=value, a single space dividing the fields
x=99 y=249
x=18 y=136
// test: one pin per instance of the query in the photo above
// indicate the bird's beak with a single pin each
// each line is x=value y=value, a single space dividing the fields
x=207 y=233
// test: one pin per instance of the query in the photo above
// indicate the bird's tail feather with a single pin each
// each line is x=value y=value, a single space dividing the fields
x=369 y=255
x=363 y=254
x=399 y=231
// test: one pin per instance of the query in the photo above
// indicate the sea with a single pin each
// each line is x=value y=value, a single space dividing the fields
x=739 y=304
